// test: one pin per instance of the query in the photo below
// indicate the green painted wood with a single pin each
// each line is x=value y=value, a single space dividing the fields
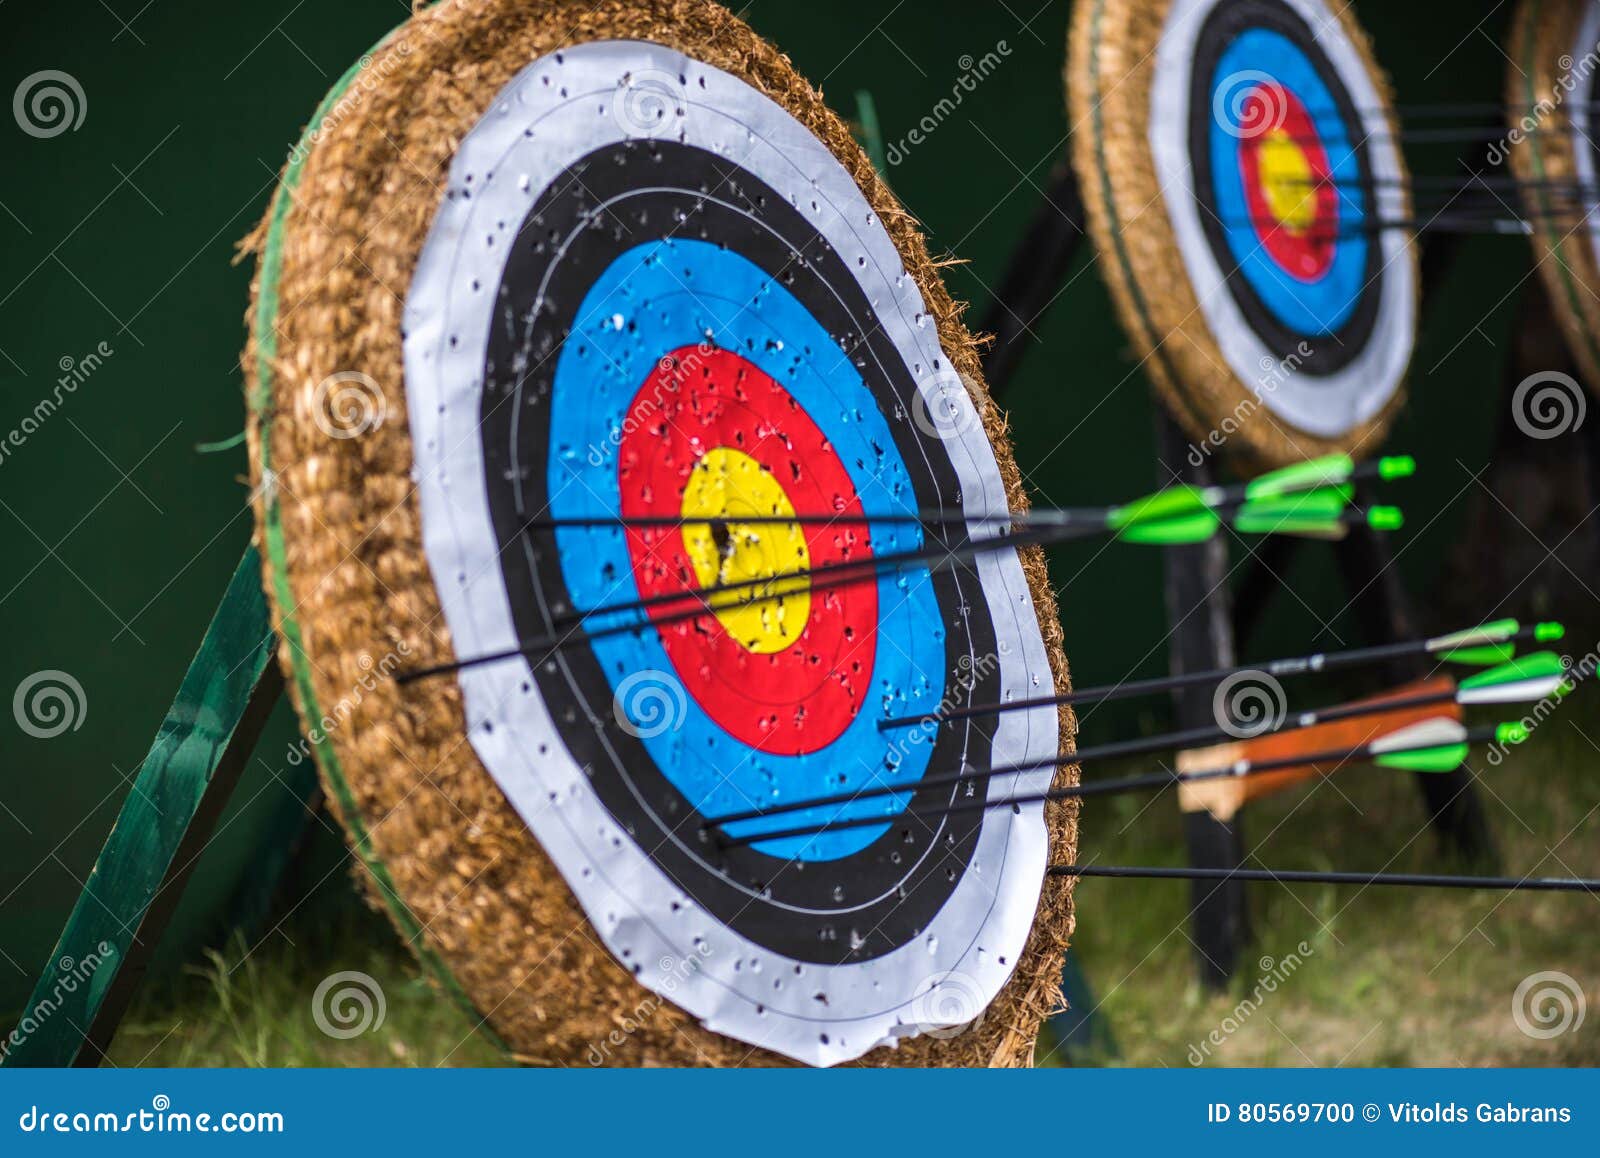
x=182 y=787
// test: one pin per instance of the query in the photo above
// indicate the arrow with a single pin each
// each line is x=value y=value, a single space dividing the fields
x=1437 y=745
x=1533 y=677
x=1332 y=470
x=1489 y=643
x=1365 y=880
x=1328 y=471
x=1161 y=519
x=1166 y=518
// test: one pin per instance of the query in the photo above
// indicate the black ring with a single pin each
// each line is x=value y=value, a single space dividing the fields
x=610 y=201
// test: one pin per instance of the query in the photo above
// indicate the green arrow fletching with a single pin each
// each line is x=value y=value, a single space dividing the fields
x=1195 y=527
x=1314 y=513
x=1167 y=518
x=1533 y=677
x=1500 y=631
x=1436 y=745
x=1480 y=646
x=1329 y=470
x=1481 y=656
x=1444 y=758
x=1167 y=504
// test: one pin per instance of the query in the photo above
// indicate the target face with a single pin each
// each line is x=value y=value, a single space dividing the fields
x=1551 y=149
x=651 y=294
x=1275 y=161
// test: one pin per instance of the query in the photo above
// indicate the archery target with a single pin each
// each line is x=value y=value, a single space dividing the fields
x=1274 y=305
x=648 y=293
x=1551 y=148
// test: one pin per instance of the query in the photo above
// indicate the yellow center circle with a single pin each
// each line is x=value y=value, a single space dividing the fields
x=763 y=617
x=1285 y=176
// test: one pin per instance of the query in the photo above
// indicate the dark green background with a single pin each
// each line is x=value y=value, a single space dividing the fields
x=119 y=536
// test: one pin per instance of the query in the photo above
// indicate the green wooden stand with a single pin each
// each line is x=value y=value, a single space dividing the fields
x=183 y=785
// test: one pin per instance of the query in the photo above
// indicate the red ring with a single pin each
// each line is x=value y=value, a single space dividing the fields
x=788 y=702
x=1304 y=254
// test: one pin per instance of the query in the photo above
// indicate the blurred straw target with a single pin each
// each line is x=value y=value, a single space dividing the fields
x=1549 y=146
x=1242 y=178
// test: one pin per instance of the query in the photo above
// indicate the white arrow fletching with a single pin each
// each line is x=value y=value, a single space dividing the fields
x=1515 y=692
x=1471 y=637
x=1428 y=734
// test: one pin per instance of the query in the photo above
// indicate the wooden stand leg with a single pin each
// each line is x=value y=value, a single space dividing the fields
x=1383 y=608
x=1200 y=613
x=1033 y=276
x=184 y=783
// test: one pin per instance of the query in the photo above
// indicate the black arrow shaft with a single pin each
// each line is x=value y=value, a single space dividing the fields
x=1277 y=668
x=546 y=645
x=1292 y=876
x=1143 y=746
x=1118 y=787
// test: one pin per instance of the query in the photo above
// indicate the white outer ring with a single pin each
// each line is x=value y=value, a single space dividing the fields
x=1329 y=406
x=979 y=934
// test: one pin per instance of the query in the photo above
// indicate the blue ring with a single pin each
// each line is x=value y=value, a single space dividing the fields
x=662 y=296
x=1316 y=308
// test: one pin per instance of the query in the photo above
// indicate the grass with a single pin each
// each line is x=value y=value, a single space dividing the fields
x=1393 y=976
x=1387 y=977
x=260 y=1005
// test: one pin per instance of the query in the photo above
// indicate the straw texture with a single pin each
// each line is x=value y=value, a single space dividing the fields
x=445 y=854
x=1544 y=33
